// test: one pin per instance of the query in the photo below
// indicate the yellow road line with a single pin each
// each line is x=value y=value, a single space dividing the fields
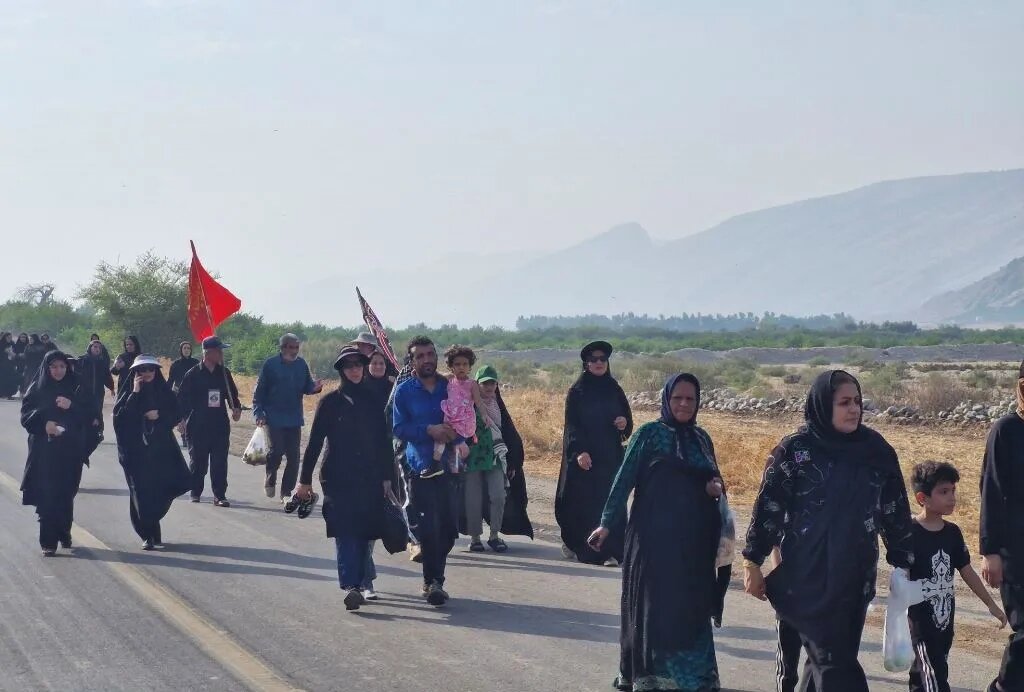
x=217 y=643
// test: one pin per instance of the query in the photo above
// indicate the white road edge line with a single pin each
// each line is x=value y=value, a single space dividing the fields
x=217 y=643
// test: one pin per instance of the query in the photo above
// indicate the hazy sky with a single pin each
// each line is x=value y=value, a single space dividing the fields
x=297 y=140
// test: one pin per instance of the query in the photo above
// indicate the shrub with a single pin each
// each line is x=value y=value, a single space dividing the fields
x=819 y=361
x=937 y=392
x=773 y=371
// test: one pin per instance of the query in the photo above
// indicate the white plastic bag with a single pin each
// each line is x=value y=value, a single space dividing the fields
x=897 y=649
x=256 y=451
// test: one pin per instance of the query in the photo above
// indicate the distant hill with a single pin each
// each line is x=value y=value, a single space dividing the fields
x=998 y=298
x=877 y=252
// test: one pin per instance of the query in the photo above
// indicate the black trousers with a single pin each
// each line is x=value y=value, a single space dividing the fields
x=832 y=665
x=432 y=502
x=930 y=670
x=1011 y=670
x=209 y=452
x=787 y=657
x=284 y=442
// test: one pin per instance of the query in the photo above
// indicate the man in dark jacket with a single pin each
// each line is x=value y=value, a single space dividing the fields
x=277 y=404
x=205 y=394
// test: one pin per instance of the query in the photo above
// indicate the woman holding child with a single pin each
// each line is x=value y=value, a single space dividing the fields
x=669 y=585
x=597 y=422
x=828 y=491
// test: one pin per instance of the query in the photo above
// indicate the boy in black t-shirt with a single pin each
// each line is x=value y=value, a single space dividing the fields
x=939 y=548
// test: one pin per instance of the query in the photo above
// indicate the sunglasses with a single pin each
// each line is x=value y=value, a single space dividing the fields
x=597 y=359
x=145 y=368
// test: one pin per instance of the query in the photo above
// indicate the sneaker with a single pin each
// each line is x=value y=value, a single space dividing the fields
x=498 y=545
x=221 y=502
x=567 y=554
x=196 y=498
x=354 y=599
x=291 y=504
x=371 y=595
x=269 y=490
x=475 y=546
x=416 y=553
x=436 y=596
x=435 y=469
x=49 y=552
x=148 y=545
x=307 y=505
x=611 y=562
x=717 y=622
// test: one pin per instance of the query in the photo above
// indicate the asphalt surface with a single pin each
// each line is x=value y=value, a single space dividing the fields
x=266 y=583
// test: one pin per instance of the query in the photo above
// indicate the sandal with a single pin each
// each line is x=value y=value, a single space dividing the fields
x=498 y=545
x=307 y=505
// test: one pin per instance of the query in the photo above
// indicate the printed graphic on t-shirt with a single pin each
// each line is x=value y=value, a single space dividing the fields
x=213 y=398
x=938 y=590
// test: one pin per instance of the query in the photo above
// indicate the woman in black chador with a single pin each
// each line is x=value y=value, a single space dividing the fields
x=828 y=491
x=145 y=415
x=33 y=355
x=9 y=379
x=597 y=422
x=132 y=349
x=93 y=370
x=57 y=415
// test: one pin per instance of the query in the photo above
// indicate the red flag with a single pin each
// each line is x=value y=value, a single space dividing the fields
x=209 y=303
x=377 y=329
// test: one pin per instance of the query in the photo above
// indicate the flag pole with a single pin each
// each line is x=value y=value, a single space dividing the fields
x=213 y=330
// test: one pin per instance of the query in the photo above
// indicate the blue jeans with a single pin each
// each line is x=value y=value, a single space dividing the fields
x=355 y=563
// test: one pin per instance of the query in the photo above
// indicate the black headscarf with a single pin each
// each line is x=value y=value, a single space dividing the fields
x=132 y=356
x=43 y=381
x=103 y=357
x=19 y=345
x=862 y=445
x=666 y=395
x=150 y=390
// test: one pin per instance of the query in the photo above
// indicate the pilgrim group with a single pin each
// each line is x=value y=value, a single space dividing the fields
x=414 y=457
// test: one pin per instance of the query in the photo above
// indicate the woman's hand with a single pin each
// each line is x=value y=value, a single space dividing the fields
x=715 y=488
x=137 y=384
x=597 y=538
x=63 y=403
x=753 y=581
x=584 y=461
x=152 y=415
x=992 y=570
x=303 y=491
x=51 y=429
x=620 y=423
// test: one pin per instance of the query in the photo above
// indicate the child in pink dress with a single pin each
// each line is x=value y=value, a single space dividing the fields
x=461 y=407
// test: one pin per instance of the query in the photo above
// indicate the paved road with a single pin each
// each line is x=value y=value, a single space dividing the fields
x=247 y=598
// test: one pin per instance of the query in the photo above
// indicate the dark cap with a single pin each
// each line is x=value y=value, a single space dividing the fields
x=349 y=352
x=214 y=342
x=595 y=346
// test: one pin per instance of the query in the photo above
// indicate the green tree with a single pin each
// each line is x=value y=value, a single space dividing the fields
x=148 y=299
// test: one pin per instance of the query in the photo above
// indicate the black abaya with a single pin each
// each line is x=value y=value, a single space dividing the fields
x=153 y=465
x=53 y=470
x=591 y=407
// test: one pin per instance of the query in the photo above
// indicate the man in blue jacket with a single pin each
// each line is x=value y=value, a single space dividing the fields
x=419 y=422
x=277 y=404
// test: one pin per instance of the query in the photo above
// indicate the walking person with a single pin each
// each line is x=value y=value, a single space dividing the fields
x=487 y=470
x=419 y=422
x=57 y=415
x=277 y=405
x=179 y=368
x=1002 y=533
x=93 y=370
x=132 y=349
x=355 y=475
x=669 y=585
x=9 y=380
x=20 y=344
x=840 y=485
x=145 y=416
x=597 y=422
x=34 y=352
x=207 y=392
